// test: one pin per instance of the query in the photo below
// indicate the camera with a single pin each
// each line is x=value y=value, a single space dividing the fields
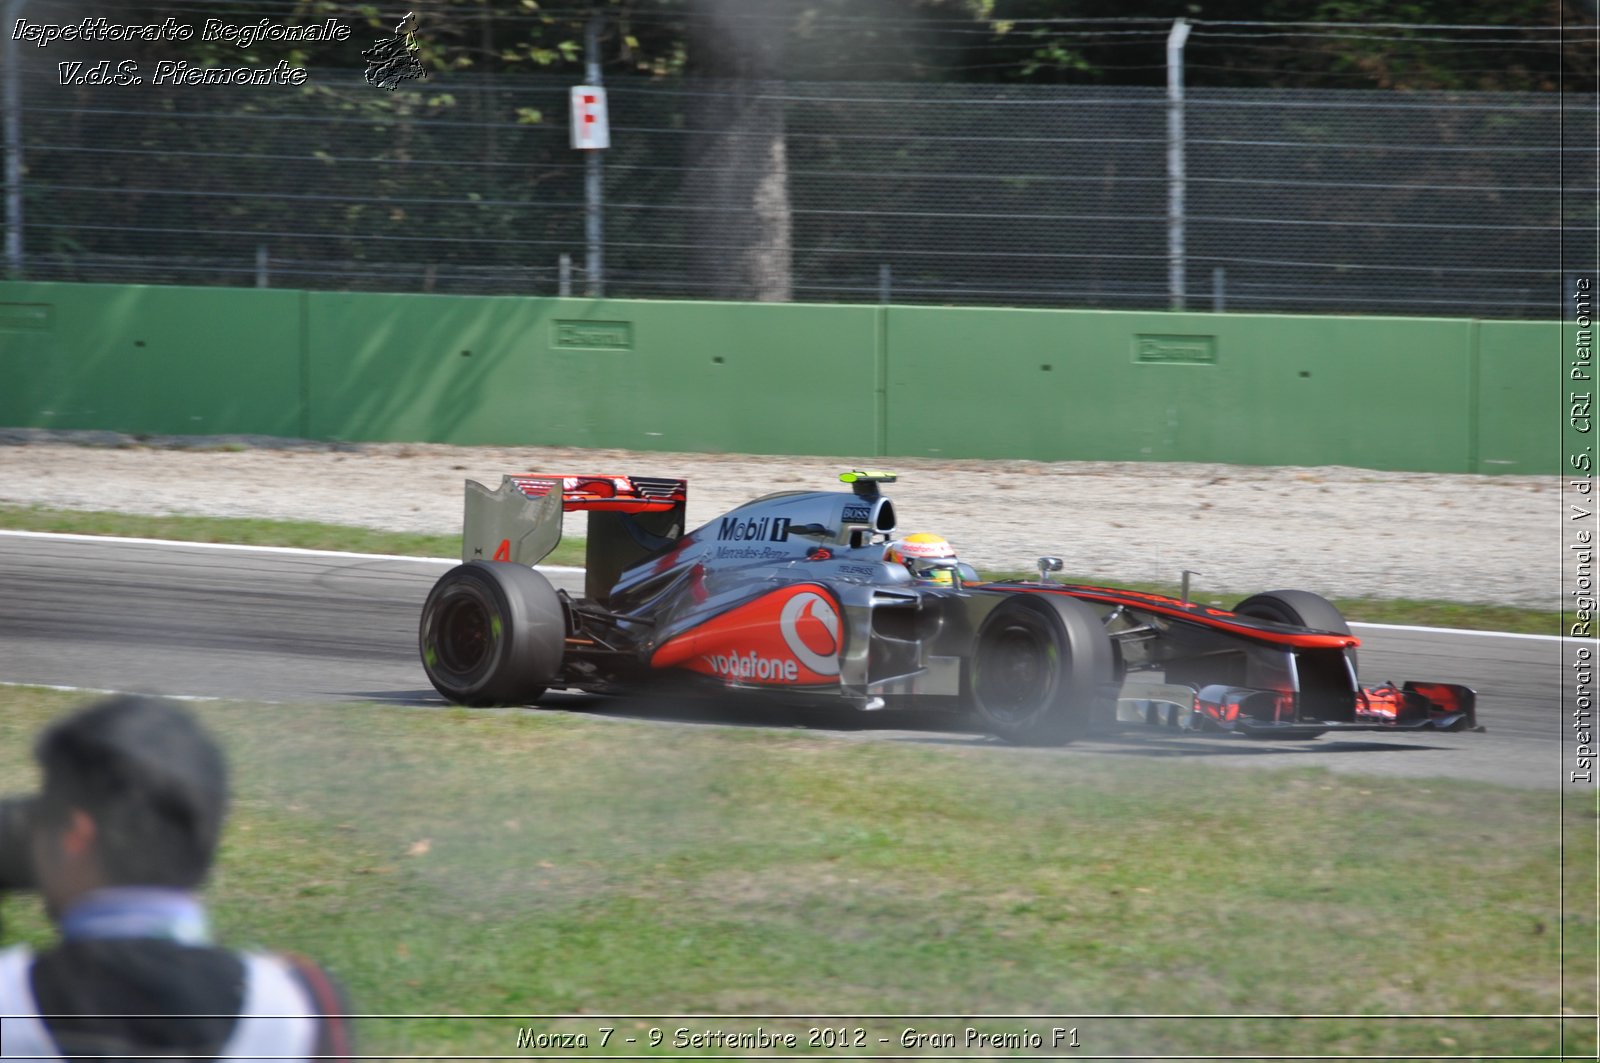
x=16 y=849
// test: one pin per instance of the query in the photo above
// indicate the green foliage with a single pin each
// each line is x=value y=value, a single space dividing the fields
x=429 y=188
x=981 y=40
x=303 y=534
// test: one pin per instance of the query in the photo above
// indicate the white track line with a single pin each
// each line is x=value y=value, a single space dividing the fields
x=571 y=570
x=1470 y=631
x=99 y=691
x=292 y=550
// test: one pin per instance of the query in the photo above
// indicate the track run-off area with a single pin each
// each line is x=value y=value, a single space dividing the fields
x=287 y=625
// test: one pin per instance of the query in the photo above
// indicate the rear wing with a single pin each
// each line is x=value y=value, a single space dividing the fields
x=630 y=517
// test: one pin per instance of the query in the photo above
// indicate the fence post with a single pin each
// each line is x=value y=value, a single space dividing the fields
x=1219 y=285
x=12 y=92
x=885 y=283
x=564 y=276
x=593 y=172
x=261 y=266
x=1176 y=264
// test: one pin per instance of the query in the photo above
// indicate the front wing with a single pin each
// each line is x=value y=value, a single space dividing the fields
x=1415 y=706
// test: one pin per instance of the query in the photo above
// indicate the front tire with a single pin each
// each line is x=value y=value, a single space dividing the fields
x=492 y=633
x=1043 y=670
x=1300 y=608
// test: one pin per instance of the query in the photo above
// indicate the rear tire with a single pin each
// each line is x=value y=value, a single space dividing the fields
x=492 y=633
x=1301 y=608
x=1043 y=670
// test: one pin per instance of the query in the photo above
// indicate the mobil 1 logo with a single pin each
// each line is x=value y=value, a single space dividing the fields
x=753 y=529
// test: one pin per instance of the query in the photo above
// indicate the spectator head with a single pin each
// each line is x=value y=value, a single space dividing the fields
x=135 y=792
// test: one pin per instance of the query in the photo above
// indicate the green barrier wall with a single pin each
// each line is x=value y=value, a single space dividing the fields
x=1521 y=394
x=1445 y=395
x=184 y=361
x=640 y=375
x=1257 y=390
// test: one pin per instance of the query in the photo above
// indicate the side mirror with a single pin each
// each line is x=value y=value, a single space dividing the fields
x=1048 y=565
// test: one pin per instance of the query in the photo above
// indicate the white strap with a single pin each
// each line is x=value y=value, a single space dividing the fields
x=22 y=1032
x=276 y=1020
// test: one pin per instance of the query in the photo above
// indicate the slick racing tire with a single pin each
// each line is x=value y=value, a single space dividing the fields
x=1043 y=670
x=492 y=633
x=1301 y=608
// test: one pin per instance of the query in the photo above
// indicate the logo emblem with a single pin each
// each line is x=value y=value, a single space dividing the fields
x=751 y=529
x=810 y=629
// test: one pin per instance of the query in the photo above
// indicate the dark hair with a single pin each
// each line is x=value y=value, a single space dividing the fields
x=150 y=776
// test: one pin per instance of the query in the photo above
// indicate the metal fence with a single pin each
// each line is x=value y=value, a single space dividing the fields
x=1295 y=200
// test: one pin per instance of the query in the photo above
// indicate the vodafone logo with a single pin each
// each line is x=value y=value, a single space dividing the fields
x=790 y=635
x=810 y=629
x=751 y=666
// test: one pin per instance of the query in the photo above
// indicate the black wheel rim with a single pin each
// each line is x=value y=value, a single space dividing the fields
x=1016 y=671
x=465 y=635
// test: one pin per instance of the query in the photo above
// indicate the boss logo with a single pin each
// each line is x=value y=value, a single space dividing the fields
x=857 y=514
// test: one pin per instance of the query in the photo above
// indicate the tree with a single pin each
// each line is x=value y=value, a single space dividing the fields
x=737 y=187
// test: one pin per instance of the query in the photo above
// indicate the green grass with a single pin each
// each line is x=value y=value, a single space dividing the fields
x=570 y=552
x=304 y=534
x=461 y=862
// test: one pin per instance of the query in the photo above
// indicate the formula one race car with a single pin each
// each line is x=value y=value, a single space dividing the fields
x=805 y=594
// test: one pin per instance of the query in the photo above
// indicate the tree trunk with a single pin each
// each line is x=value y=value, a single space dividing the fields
x=738 y=182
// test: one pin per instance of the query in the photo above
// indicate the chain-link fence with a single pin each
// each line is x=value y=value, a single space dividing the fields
x=1294 y=200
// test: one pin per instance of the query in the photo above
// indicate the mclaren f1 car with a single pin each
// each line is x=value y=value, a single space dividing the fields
x=803 y=594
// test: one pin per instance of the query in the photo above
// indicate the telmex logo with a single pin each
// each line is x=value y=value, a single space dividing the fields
x=771 y=529
x=810 y=628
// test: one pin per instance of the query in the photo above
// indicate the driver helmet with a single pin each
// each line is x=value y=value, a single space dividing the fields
x=928 y=557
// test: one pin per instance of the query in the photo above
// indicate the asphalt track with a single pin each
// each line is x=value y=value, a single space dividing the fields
x=283 y=625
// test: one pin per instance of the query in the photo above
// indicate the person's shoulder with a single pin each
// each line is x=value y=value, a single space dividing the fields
x=15 y=962
x=115 y=976
x=23 y=1034
x=324 y=999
